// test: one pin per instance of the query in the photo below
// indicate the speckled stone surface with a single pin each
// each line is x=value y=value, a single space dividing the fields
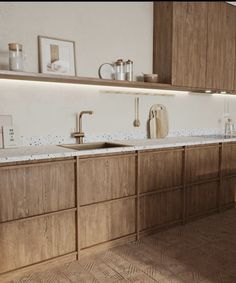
x=52 y=151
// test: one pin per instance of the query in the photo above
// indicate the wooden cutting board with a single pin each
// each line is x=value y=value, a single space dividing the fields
x=158 y=122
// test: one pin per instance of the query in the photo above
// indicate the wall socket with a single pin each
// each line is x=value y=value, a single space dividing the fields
x=9 y=139
x=5 y=120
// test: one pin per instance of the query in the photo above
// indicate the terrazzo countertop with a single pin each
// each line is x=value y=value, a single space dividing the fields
x=54 y=151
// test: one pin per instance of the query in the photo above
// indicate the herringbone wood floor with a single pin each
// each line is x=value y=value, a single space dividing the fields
x=203 y=251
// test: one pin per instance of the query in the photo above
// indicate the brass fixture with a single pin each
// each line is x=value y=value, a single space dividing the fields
x=79 y=135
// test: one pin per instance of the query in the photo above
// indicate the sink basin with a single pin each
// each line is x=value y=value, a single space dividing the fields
x=96 y=145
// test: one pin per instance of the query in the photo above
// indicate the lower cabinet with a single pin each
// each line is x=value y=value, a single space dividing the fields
x=160 y=209
x=107 y=198
x=104 y=222
x=228 y=190
x=30 y=241
x=202 y=199
x=50 y=209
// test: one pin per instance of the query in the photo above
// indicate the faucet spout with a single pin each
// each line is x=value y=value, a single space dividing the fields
x=79 y=135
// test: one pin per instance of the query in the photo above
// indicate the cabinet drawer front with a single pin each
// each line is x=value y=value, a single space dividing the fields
x=160 y=209
x=106 y=178
x=228 y=191
x=27 y=191
x=160 y=170
x=107 y=221
x=202 y=163
x=30 y=241
x=202 y=198
x=229 y=159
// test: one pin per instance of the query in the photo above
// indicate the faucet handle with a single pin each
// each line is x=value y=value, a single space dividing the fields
x=77 y=135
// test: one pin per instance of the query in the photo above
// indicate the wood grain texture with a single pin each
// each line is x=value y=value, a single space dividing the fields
x=160 y=209
x=221 y=61
x=202 y=163
x=26 y=191
x=162 y=40
x=35 y=240
x=189 y=44
x=202 y=199
x=4 y=74
x=106 y=221
x=229 y=159
x=228 y=191
x=106 y=178
x=160 y=170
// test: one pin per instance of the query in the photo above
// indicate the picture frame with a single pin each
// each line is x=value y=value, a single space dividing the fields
x=56 y=56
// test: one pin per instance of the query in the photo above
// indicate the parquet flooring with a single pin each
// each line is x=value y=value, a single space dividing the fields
x=199 y=252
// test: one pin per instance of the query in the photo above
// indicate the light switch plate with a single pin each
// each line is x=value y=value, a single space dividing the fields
x=9 y=137
x=5 y=120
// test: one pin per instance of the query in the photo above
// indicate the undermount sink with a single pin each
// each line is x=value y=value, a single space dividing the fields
x=96 y=145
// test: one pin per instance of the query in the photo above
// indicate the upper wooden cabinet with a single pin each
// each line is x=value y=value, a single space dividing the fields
x=221 y=46
x=194 y=44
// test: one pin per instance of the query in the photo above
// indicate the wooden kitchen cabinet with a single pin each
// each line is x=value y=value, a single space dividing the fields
x=107 y=221
x=37 y=213
x=202 y=199
x=106 y=178
x=228 y=167
x=34 y=189
x=26 y=242
x=160 y=209
x=194 y=44
x=107 y=198
x=228 y=159
x=228 y=192
x=160 y=188
x=180 y=42
x=221 y=46
x=202 y=163
x=160 y=169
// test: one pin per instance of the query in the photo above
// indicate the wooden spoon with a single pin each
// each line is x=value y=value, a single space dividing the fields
x=137 y=121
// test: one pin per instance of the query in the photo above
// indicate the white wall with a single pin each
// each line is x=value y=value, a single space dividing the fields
x=103 y=32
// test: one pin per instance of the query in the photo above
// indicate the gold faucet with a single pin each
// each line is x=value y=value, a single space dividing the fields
x=79 y=135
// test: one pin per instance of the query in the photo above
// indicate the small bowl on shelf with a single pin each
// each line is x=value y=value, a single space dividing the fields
x=150 y=78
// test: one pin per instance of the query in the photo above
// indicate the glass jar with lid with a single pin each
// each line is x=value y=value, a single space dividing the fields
x=119 y=67
x=129 y=70
x=16 y=57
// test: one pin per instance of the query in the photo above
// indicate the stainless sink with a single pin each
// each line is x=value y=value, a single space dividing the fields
x=96 y=145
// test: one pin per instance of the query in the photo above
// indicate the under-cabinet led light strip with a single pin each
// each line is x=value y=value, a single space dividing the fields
x=135 y=93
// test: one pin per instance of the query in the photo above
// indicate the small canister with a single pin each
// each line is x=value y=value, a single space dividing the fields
x=119 y=67
x=15 y=57
x=129 y=70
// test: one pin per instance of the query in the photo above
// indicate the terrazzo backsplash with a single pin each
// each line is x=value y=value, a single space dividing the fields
x=138 y=134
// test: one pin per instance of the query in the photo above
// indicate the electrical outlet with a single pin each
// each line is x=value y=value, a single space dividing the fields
x=9 y=138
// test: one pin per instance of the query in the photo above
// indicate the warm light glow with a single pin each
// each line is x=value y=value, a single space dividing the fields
x=101 y=89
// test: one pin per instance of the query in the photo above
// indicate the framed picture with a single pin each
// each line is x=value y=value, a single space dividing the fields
x=56 y=56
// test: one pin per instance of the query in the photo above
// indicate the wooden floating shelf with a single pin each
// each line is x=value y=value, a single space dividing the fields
x=88 y=81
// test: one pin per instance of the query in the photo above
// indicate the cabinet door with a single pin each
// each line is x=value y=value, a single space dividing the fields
x=229 y=159
x=221 y=46
x=106 y=221
x=189 y=44
x=202 y=163
x=160 y=209
x=105 y=178
x=33 y=189
x=160 y=169
x=29 y=241
x=228 y=191
x=202 y=199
